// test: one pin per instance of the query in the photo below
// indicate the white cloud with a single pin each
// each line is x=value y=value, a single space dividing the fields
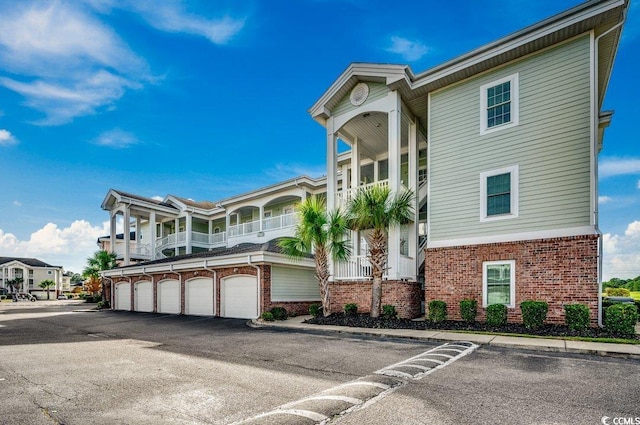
x=68 y=247
x=621 y=256
x=614 y=166
x=408 y=49
x=116 y=139
x=604 y=199
x=638 y=184
x=171 y=17
x=288 y=171
x=17 y=203
x=6 y=138
x=70 y=63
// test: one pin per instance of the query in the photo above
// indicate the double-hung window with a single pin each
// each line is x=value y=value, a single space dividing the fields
x=499 y=194
x=499 y=104
x=499 y=283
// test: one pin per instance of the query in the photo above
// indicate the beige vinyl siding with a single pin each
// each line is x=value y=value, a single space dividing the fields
x=551 y=146
x=294 y=284
x=376 y=91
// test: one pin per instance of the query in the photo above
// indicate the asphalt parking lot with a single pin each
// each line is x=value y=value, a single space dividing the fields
x=62 y=366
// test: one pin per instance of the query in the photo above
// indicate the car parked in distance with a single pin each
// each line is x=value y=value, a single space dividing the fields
x=23 y=296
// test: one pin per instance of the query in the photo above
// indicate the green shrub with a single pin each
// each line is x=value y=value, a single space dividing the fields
x=389 y=311
x=350 y=309
x=82 y=296
x=617 y=292
x=3 y=297
x=315 y=310
x=279 y=313
x=69 y=296
x=576 y=316
x=267 y=316
x=103 y=304
x=637 y=303
x=496 y=315
x=534 y=313
x=468 y=310
x=621 y=319
x=437 y=311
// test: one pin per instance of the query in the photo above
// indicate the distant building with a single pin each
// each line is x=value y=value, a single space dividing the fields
x=32 y=271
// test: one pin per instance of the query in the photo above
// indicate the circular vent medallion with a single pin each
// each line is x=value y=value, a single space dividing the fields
x=359 y=94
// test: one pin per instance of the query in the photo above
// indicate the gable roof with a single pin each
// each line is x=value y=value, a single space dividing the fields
x=597 y=15
x=32 y=262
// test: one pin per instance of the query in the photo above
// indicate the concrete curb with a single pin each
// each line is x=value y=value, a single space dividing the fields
x=518 y=342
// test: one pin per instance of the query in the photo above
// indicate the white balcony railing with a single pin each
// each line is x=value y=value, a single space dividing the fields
x=345 y=196
x=136 y=250
x=356 y=267
x=271 y=223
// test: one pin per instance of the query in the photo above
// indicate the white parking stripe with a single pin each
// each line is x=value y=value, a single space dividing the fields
x=428 y=360
x=351 y=400
x=373 y=384
x=314 y=416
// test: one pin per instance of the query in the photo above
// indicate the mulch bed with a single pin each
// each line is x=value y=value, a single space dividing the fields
x=549 y=330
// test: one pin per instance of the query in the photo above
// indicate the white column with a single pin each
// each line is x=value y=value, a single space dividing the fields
x=112 y=232
x=413 y=185
x=189 y=226
x=125 y=235
x=261 y=215
x=176 y=231
x=355 y=163
x=152 y=234
x=332 y=165
x=395 y=116
x=137 y=229
x=345 y=180
x=376 y=175
x=25 y=280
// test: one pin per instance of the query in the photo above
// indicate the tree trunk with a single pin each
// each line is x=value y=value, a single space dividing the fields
x=378 y=259
x=48 y=294
x=322 y=274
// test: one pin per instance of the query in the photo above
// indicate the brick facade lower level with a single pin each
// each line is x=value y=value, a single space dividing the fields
x=558 y=270
x=403 y=295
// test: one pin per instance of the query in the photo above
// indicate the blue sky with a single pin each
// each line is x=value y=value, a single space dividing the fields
x=206 y=99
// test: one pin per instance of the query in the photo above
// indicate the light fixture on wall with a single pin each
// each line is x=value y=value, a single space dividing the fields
x=235 y=270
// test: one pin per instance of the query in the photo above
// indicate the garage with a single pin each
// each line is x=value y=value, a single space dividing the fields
x=291 y=284
x=123 y=296
x=169 y=297
x=143 y=297
x=199 y=297
x=240 y=297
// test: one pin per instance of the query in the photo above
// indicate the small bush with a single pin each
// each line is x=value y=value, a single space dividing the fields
x=82 y=296
x=389 y=311
x=637 y=303
x=468 y=310
x=576 y=316
x=69 y=296
x=621 y=319
x=103 y=304
x=350 y=309
x=437 y=311
x=534 y=313
x=267 y=316
x=279 y=313
x=3 y=297
x=496 y=315
x=617 y=292
x=315 y=310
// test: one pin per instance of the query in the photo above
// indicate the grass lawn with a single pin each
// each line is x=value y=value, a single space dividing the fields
x=635 y=295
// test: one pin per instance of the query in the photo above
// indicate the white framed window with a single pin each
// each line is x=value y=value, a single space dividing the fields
x=499 y=104
x=499 y=283
x=216 y=229
x=287 y=210
x=499 y=194
x=49 y=272
x=268 y=213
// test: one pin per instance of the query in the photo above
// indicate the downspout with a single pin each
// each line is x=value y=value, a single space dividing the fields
x=594 y=141
x=259 y=283
x=215 y=279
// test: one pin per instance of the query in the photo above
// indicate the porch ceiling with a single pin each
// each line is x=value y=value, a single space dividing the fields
x=372 y=131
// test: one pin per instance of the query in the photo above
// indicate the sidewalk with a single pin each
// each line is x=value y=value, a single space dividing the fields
x=538 y=344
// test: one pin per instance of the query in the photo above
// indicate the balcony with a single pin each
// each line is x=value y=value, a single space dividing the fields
x=136 y=251
x=272 y=227
x=358 y=267
x=345 y=196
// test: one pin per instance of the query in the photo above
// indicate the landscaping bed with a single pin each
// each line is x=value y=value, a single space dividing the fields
x=546 y=330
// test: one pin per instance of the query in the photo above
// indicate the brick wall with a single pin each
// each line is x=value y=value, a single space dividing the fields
x=558 y=271
x=405 y=296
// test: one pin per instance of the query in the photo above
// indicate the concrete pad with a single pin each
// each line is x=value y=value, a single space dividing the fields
x=542 y=344
x=601 y=348
x=454 y=336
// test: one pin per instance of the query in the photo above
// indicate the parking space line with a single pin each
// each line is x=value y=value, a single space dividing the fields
x=314 y=416
x=373 y=384
x=351 y=400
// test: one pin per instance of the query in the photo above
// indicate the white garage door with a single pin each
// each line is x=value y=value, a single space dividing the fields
x=240 y=297
x=143 y=297
x=169 y=297
x=199 y=297
x=123 y=296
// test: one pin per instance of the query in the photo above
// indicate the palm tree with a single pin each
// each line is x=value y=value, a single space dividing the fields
x=101 y=260
x=48 y=283
x=15 y=283
x=320 y=233
x=374 y=207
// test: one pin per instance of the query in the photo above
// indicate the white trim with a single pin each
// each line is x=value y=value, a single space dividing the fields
x=265 y=212
x=514 y=171
x=512 y=281
x=515 y=104
x=515 y=237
